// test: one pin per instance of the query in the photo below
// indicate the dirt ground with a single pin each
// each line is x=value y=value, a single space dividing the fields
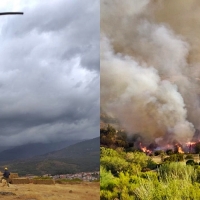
x=82 y=191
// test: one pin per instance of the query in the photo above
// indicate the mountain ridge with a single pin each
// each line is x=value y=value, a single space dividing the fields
x=33 y=149
x=79 y=157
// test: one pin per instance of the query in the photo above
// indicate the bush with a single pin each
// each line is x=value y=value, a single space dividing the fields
x=174 y=158
x=157 y=153
x=173 y=180
x=173 y=189
x=65 y=181
x=114 y=164
x=197 y=170
x=197 y=147
x=189 y=156
x=151 y=164
x=138 y=158
x=107 y=184
x=190 y=162
x=174 y=170
x=169 y=152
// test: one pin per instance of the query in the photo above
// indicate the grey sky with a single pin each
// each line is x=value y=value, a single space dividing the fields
x=49 y=71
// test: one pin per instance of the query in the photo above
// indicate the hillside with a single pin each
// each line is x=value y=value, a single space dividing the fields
x=88 y=147
x=33 y=149
x=82 y=156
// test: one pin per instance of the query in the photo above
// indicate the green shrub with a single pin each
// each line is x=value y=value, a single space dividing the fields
x=108 y=152
x=174 y=158
x=189 y=156
x=173 y=171
x=197 y=170
x=138 y=158
x=172 y=180
x=107 y=185
x=65 y=181
x=114 y=164
x=174 y=189
x=158 y=152
x=190 y=162
x=169 y=152
x=151 y=164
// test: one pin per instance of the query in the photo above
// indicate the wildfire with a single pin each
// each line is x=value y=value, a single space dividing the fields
x=180 y=150
x=190 y=144
x=144 y=149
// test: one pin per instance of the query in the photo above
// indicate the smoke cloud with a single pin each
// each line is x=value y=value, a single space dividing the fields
x=150 y=67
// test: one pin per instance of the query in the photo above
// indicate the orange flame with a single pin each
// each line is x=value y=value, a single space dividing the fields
x=190 y=143
x=180 y=150
x=144 y=149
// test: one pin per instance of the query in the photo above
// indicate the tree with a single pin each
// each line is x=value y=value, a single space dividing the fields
x=197 y=147
x=190 y=162
x=189 y=156
x=169 y=152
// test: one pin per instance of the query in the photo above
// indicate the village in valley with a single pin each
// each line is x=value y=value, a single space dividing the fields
x=83 y=176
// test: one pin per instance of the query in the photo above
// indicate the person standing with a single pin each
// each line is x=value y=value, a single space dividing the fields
x=6 y=175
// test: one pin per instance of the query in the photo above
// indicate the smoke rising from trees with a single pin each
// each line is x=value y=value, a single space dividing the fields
x=149 y=67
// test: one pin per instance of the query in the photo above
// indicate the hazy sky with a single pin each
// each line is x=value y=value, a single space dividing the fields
x=49 y=71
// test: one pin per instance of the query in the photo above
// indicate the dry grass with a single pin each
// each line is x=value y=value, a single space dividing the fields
x=82 y=191
x=156 y=159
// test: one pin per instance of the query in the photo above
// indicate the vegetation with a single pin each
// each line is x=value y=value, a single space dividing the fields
x=169 y=152
x=83 y=156
x=123 y=176
x=197 y=147
x=111 y=138
x=189 y=156
x=174 y=158
x=129 y=174
x=71 y=181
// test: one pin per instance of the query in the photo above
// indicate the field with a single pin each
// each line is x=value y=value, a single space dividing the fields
x=83 y=191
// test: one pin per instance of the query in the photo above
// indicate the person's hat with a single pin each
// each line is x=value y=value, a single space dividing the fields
x=6 y=168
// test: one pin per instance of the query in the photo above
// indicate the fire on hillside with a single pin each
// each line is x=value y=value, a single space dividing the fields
x=188 y=147
x=149 y=72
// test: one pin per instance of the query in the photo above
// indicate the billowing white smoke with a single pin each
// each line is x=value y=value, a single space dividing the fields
x=145 y=76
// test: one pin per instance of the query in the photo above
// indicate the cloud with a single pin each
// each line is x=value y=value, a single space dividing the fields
x=49 y=71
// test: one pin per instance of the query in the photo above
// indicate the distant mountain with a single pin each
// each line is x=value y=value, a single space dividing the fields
x=33 y=149
x=3 y=148
x=88 y=147
x=82 y=156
